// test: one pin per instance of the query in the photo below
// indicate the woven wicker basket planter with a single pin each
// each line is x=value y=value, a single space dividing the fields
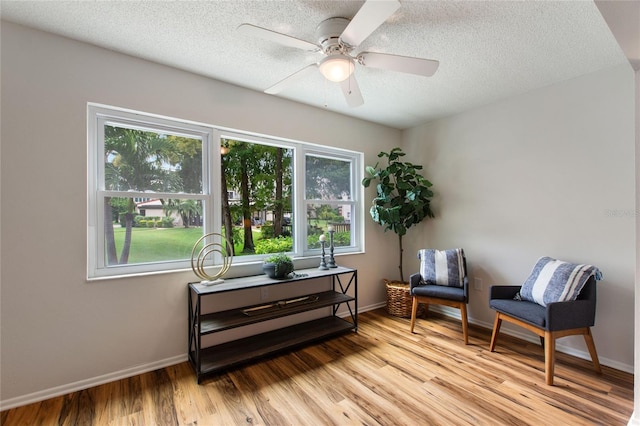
x=399 y=300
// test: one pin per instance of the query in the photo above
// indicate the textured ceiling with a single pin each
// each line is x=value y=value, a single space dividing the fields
x=488 y=50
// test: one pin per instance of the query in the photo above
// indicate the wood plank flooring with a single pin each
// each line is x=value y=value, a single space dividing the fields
x=383 y=375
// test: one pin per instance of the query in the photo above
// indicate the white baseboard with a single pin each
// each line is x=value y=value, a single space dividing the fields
x=361 y=309
x=89 y=383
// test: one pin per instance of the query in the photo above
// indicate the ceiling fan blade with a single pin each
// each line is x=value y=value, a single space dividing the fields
x=287 y=81
x=371 y=15
x=351 y=91
x=282 y=39
x=419 y=66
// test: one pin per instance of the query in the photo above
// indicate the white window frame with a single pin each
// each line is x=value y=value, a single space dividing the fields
x=211 y=136
x=99 y=116
x=355 y=160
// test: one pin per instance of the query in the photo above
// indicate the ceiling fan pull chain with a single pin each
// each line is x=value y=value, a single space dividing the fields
x=324 y=92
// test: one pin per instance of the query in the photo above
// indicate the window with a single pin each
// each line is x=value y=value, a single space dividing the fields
x=329 y=201
x=149 y=190
x=157 y=185
x=258 y=173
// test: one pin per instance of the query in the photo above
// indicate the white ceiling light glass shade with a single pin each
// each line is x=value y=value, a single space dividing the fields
x=337 y=67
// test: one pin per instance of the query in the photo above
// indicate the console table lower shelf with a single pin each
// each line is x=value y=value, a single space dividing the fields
x=221 y=357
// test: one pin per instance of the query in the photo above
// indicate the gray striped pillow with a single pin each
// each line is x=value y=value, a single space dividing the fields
x=553 y=280
x=442 y=267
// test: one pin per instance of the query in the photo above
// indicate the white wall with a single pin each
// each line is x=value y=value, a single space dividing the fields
x=623 y=18
x=60 y=333
x=635 y=420
x=547 y=173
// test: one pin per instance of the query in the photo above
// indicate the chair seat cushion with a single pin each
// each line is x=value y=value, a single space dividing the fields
x=442 y=267
x=439 y=291
x=553 y=280
x=527 y=311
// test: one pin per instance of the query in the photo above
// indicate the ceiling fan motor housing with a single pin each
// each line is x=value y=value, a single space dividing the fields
x=328 y=33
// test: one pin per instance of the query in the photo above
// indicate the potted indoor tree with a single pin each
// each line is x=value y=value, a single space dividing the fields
x=403 y=199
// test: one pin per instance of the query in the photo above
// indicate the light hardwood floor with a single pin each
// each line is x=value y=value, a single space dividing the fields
x=383 y=375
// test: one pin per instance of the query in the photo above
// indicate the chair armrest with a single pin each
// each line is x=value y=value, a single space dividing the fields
x=503 y=291
x=414 y=281
x=572 y=314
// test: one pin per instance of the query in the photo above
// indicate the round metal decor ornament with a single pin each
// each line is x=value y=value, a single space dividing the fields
x=223 y=247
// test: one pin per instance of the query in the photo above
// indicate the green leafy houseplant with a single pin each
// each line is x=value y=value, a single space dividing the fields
x=278 y=265
x=402 y=197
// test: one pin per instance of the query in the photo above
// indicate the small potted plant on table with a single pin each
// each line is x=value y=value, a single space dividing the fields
x=278 y=266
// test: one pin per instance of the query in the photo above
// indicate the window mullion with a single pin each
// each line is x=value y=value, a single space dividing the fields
x=300 y=202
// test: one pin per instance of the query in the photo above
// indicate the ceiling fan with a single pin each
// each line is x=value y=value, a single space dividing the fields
x=337 y=39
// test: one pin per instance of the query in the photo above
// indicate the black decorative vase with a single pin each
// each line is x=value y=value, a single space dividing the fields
x=270 y=270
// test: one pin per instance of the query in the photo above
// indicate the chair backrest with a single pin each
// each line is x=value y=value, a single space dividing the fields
x=558 y=318
x=464 y=263
x=588 y=292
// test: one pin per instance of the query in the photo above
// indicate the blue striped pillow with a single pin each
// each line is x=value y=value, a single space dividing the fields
x=553 y=280
x=442 y=267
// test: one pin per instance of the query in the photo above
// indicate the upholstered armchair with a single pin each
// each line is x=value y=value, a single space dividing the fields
x=535 y=307
x=442 y=280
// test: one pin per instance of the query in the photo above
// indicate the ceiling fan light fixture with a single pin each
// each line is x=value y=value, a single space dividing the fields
x=337 y=67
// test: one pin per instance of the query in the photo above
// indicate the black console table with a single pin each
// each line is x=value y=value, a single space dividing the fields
x=219 y=357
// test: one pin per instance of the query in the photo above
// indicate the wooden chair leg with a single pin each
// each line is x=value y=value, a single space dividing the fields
x=496 y=329
x=414 y=311
x=549 y=356
x=588 y=338
x=465 y=324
